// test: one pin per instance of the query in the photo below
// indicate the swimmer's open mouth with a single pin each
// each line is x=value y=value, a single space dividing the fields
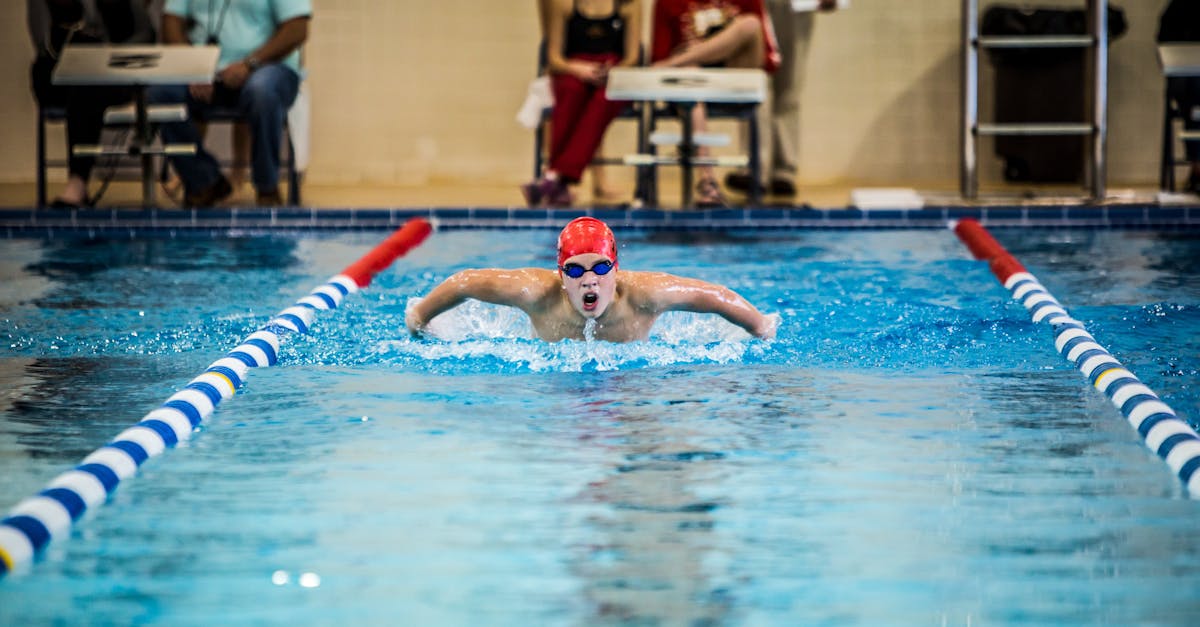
x=589 y=300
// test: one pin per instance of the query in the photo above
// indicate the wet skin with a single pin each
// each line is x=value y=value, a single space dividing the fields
x=620 y=306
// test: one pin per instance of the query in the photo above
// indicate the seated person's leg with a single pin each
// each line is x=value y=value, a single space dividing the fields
x=264 y=102
x=50 y=95
x=203 y=183
x=239 y=173
x=173 y=185
x=590 y=126
x=738 y=44
x=708 y=193
x=1188 y=97
x=570 y=102
x=747 y=50
x=85 y=119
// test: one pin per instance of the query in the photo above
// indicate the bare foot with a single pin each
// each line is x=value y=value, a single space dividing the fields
x=74 y=192
x=173 y=187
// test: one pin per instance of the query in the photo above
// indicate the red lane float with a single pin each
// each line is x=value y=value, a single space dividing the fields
x=396 y=245
x=985 y=247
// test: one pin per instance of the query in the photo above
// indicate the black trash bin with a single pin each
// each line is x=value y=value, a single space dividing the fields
x=1042 y=85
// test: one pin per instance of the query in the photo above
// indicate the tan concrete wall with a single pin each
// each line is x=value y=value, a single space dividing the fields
x=408 y=92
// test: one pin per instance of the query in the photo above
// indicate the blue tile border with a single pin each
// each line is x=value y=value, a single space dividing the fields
x=132 y=222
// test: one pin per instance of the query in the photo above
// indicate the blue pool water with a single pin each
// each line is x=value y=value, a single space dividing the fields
x=910 y=450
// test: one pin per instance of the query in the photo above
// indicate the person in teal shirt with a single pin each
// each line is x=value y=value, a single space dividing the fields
x=258 y=72
x=1180 y=23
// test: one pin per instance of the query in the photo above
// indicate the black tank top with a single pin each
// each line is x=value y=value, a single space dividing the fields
x=595 y=35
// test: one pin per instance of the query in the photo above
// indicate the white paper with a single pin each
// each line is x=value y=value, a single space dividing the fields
x=803 y=6
x=867 y=198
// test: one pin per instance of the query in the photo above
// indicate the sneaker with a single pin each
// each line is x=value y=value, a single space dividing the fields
x=738 y=182
x=708 y=194
x=209 y=196
x=268 y=199
x=1193 y=184
x=782 y=187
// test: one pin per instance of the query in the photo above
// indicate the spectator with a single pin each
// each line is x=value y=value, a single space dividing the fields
x=258 y=72
x=1180 y=22
x=712 y=33
x=779 y=154
x=602 y=193
x=52 y=25
x=584 y=40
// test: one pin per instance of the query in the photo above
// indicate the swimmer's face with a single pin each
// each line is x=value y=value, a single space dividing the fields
x=591 y=293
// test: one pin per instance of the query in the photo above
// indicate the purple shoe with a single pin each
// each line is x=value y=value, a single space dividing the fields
x=559 y=196
x=536 y=192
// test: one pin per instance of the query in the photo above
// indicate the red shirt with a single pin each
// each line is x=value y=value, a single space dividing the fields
x=680 y=22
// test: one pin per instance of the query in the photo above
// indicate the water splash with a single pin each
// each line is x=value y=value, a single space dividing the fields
x=479 y=337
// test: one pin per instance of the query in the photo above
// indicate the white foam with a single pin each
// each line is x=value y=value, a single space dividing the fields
x=478 y=330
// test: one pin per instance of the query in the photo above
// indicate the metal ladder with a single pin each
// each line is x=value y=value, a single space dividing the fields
x=1097 y=128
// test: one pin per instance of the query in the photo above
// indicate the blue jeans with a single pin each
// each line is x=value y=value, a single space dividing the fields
x=1186 y=90
x=262 y=102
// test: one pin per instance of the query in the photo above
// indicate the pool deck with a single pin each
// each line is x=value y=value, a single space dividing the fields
x=249 y=221
x=334 y=208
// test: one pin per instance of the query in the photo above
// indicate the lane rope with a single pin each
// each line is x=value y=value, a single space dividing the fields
x=1163 y=432
x=47 y=516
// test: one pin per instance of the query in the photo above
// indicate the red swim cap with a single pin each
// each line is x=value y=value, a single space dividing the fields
x=586 y=235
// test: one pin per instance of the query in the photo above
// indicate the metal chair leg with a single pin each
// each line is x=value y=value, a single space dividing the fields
x=41 y=159
x=539 y=140
x=293 y=198
x=1166 y=171
x=756 y=190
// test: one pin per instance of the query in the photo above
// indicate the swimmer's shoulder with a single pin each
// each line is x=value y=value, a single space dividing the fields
x=525 y=287
x=643 y=290
x=511 y=277
x=662 y=291
x=538 y=286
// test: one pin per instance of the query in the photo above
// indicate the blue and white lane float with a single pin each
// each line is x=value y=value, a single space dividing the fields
x=1164 y=433
x=47 y=516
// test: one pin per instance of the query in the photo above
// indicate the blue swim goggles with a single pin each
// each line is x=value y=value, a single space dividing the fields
x=574 y=270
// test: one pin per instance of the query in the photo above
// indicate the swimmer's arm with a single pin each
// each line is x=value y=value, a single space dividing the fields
x=515 y=288
x=674 y=293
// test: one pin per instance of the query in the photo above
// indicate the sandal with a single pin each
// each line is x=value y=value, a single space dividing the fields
x=708 y=194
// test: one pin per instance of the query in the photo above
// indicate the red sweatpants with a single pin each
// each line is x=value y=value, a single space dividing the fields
x=581 y=115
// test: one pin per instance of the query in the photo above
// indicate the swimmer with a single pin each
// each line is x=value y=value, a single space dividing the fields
x=589 y=290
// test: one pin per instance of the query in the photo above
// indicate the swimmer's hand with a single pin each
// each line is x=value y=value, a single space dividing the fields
x=767 y=326
x=416 y=326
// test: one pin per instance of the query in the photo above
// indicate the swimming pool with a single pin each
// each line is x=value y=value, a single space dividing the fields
x=911 y=450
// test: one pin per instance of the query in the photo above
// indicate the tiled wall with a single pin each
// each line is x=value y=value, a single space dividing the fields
x=407 y=92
